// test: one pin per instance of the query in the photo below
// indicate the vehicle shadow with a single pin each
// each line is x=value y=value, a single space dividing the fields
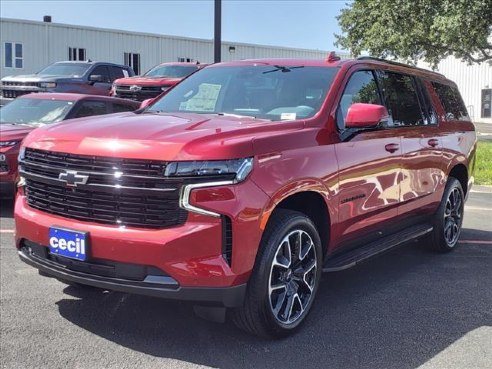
x=396 y=311
x=6 y=207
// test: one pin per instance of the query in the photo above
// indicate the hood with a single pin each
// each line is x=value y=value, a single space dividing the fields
x=13 y=132
x=148 y=81
x=35 y=78
x=158 y=136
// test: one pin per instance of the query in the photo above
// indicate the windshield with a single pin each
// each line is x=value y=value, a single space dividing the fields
x=175 y=71
x=69 y=70
x=261 y=91
x=29 y=111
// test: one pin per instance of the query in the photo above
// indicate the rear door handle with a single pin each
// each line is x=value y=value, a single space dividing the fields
x=392 y=147
x=433 y=142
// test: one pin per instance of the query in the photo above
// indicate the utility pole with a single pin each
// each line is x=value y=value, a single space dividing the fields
x=217 y=30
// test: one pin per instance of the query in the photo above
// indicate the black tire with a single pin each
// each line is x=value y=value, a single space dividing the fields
x=290 y=292
x=448 y=219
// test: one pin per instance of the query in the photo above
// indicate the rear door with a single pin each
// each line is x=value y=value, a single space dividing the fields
x=369 y=168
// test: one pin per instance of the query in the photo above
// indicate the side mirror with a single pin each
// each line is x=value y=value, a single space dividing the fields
x=146 y=103
x=361 y=115
x=96 y=78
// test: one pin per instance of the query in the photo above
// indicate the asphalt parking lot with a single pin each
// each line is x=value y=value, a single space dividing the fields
x=406 y=309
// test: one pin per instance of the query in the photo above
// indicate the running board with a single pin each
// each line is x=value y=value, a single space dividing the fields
x=352 y=258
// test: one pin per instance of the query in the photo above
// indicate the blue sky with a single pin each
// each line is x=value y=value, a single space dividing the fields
x=292 y=23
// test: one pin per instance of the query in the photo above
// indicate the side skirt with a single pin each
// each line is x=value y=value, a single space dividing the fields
x=353 y=257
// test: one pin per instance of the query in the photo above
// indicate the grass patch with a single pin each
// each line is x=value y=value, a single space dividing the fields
x=483 y=165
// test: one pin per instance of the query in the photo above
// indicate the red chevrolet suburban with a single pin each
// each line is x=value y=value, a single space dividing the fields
x=154 y=82
x=246 y=181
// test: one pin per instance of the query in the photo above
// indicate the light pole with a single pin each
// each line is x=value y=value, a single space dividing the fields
x=217 y=30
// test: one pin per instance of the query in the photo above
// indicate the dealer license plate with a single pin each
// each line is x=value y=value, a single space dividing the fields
x=68 y=243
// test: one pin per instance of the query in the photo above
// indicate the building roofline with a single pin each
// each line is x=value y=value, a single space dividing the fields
x=157 y=35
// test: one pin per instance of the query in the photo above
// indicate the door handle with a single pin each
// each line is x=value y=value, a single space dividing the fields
x=392 y=147
x=433 y=142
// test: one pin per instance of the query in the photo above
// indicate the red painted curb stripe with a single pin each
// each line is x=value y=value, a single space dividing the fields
x=476 y=242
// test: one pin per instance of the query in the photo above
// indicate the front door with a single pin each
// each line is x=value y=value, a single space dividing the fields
x=369 y=168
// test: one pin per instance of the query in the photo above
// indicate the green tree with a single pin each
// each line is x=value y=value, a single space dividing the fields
x=418 y=29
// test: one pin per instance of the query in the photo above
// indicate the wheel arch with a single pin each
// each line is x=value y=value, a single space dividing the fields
x=311 y=201
x=460 y=172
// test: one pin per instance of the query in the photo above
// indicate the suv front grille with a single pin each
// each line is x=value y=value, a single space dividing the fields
x=12 y=94
x=28 y=87
x=32 y=84
x=123 y=192
x=147 y=92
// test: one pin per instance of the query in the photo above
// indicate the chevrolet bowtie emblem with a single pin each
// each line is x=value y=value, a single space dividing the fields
x=72 y=178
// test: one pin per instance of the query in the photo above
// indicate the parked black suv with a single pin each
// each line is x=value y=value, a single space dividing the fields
x=88 y=77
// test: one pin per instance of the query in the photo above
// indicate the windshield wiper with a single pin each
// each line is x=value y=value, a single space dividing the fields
x=282 y=68
x=20 y=123
x=235 y=115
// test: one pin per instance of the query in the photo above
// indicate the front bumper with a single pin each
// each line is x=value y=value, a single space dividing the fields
x=196 y=254
x=152 y=285
x=5 y=100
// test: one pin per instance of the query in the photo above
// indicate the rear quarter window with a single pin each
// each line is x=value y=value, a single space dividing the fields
x=120 y=108
x=451 y=101
x=89 y=108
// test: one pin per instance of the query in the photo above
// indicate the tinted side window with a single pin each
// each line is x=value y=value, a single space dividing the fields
x=361 y=88
x=103 y=71
x=401 y=99
x=118 y=108
x=430 y=115
x=118 y=73
x=88 y=108
x=451 y=101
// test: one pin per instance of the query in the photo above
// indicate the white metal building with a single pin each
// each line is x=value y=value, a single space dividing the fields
x=475 y=84
x=27 y=46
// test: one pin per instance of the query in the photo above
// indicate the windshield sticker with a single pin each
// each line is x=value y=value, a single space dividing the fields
x=204 y=100
x=125 y=73
x=288 y=116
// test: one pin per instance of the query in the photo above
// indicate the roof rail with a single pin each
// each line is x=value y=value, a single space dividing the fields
x=398 y=63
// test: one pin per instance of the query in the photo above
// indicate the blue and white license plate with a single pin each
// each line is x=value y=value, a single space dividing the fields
x=70 y=244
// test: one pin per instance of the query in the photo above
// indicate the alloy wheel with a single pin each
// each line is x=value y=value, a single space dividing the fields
x=292 y=277
x=453 y=213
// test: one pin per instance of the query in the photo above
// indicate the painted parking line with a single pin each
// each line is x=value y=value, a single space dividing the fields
x=478 y=191
x=7 y=231
x=476 y=208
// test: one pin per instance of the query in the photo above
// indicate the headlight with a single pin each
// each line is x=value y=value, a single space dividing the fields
x=8 y=143
x=21 y=182
x=238 y=169
x=113 y=89
x=47 y=84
